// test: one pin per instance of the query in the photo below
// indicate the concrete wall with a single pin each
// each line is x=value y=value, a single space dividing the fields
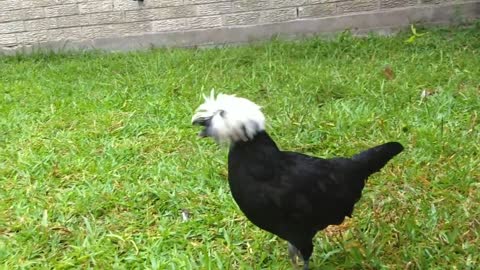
x=26 y=25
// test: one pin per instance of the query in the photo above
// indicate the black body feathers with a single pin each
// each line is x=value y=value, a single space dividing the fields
x=294 y=195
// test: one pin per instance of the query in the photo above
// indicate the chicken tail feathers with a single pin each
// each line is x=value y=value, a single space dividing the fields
x=374 y=159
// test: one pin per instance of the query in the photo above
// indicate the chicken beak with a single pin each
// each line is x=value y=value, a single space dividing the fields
x=197 y=121
x=203 y=133
x=204 y=122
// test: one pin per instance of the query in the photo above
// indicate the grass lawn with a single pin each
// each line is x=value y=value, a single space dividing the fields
x=98 y=158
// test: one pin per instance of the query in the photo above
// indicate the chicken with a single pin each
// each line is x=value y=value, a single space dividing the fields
x=289 y=194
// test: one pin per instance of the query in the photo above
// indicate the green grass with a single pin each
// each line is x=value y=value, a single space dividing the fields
x=98 y=157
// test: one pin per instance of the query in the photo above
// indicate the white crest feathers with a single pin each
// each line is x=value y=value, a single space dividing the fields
x=231 y=118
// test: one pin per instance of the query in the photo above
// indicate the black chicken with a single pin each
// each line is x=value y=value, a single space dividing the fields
x=289 y=194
